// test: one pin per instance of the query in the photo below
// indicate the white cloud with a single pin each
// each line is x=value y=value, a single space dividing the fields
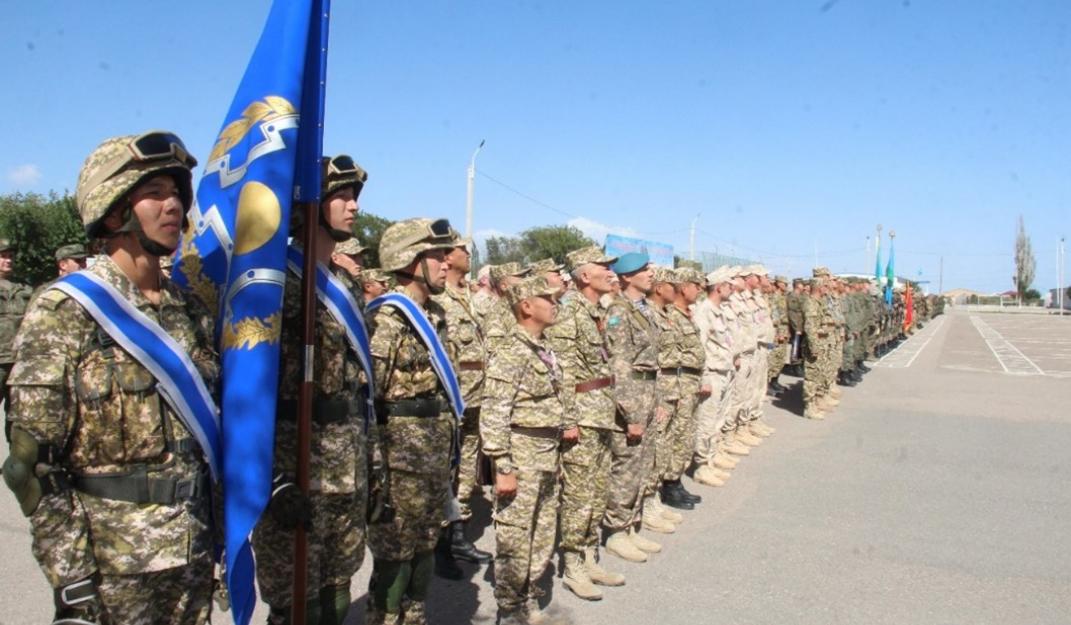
x=26 y=175
x=598 y=231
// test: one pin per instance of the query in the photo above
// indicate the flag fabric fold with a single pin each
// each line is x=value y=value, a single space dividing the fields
x=233 y=254
x=890 y=274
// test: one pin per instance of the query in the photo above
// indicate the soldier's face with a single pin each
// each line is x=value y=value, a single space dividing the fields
x=542 y=309
x=159 y=209
x=437 y=266
x=554 y=279
x=340 y=209
x=752 y=282
x=689 y=291
x=642 y=280
x=373 y=289
x=71 y=265
x=7 y=262
x=597 y=277
x=347 y=262
x=459 y=259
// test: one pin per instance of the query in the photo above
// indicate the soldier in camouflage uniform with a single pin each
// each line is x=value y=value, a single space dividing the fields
x=779 y=315
x=496 y=317
x=632 y=337
x=794 y=310
x=765 y=333
x=417 y=429
x=521 y=428
x=579 y=341
x=334 y=512
x=115 y=487
x=746 y=334
x=14 y=298
x=551 y=270
x=466 y=343
x=680 y=362
x=348 y=255
x=374 y=282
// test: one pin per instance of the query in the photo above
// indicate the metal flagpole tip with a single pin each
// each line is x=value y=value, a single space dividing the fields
x=892 y=234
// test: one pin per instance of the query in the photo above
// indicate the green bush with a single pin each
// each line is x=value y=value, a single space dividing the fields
x=38 y=225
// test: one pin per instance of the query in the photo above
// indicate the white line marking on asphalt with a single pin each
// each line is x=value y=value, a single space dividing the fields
x=910 y=349
x=1008 y=355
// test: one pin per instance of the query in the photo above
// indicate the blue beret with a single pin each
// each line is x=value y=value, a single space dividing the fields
x=628 y=263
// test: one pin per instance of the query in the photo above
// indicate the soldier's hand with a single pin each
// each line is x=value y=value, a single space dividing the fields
x=506 y=485
x=705 y=390
x=634 y=433
x=571 y=435
x=290 y=507
x=736 y=363
x=77 y=603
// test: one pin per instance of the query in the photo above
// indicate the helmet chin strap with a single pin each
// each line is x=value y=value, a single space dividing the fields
x=133 y=226
x=337 y=235
x=423 y=278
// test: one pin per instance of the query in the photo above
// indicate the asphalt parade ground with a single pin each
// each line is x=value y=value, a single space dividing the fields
x=938 y=492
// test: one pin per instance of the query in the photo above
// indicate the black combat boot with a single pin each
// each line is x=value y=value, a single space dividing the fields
x=679 y=487
x=445 y=565
x=777 y=386
x=771 y=391
x=675 y=498
x=462 y=548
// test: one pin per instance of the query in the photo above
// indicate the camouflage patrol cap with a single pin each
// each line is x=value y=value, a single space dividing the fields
x=510 y=269
x=753 y=270
x=720 y=275
x=460 y=241
x=406 y=240
x=350 y=247
x=690 y=275
x=75 y=250
x=119 y=164
x=585 y=255
x=532 y=286
x=820 y=272
x=665 y=275
x=375 y=275
x=339 y=172
x=690 y=264
x=545 y=265
x=796 y=281
x=781 y=279
x=7 y=246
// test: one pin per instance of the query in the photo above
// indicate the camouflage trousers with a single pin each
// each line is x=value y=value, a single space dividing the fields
x=585 y=488
x=468 y=467
x=629 y=467
x=176 y=596
x=711 y=416
x=817 y=364
x=418 y=500
x=739 y=392
x=847 y=360
x=525 y=529
x=677 y=443
x=778 y=357
x=760 y=366
x=834 y=357
x=335 y=548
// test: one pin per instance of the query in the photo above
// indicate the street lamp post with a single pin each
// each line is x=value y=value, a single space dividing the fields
x=471 y=189
x=1060 y=276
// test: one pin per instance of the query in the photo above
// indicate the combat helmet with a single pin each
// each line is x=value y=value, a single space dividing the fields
x=120 y=164
x=404 y=241
x=339 y=172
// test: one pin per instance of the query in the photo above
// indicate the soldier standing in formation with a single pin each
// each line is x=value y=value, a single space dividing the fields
x=14 y=298
x=521 y=427
x=334 y=511
x=775 y=294
x=115 y=486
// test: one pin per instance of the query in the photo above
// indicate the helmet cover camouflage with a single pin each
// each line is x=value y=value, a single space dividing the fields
x=406 y=240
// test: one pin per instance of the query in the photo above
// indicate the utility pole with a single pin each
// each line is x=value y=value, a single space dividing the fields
x=691 y=239
x=1060 y=260
x=471 y=190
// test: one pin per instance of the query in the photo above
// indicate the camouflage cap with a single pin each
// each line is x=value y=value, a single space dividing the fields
x=114 y=169
x=532 y=286
x=350 y=247
x=820 y=272
x=665 y=275
x=545 y=265
x=514 y=269
x=585 y=255
x=691 y=275
x=781 y=279
x=403 y=241
x=752 y=270
x=7 y=246
x=720 y=275
x=736 y=271
x=691 y=264
x=796 y=281
x=339 y=172
x=75 y=250
x=375 y=275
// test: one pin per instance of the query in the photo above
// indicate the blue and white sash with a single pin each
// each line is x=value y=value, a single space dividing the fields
x=178 y=381
x=430 y=338
x=340 y=303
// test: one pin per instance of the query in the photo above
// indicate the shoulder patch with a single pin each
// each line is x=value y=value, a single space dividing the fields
x=51 y=298
x=613 y=320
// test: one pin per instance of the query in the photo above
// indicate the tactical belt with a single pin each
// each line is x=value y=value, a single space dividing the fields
x=430 y=407
x=470 y=365
x=324 y=410
x=822 y=335
x=594 y=385
x=140 y=488
x=680 y=370
x=644 y=375
x=543 y=432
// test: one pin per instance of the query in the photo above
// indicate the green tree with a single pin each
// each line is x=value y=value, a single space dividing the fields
x=551 y=242
x=37 y=225
x=1024 y=261
x=368 y=229
x=504 y=249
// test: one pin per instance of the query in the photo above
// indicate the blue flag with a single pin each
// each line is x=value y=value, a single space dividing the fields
x=877 y=259
x=233 y=255
x=890 y=274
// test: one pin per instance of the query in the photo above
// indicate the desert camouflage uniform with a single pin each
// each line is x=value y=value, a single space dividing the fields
x=14 y=299
x=765 y=335
x=680 y=363
x=337 y=458
x=744 y=335
x=713 y=419
x=417 y=450
x=521 y=427
x=632 y=337
x=579 y=342
x=467 y=345
x=73 y=389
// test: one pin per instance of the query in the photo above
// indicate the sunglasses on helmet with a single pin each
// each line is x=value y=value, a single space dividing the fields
x=151 y=146
x=341 y=165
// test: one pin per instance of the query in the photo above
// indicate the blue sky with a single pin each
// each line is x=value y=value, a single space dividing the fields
x=789 y=127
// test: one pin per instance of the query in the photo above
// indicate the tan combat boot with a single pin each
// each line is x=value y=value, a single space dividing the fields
x=621 y=546
x=755 y=429
x=670 y=515
x=643 y=544
x=706 y=475
x=722 y=475
x=722 y=460
x=762 y=425
x=598 y=574
x=835 y=392
x=653 y=519
x=577 y=580
x=813 y=412
x=735 y=447
x=745 y=437
x=534 y=614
